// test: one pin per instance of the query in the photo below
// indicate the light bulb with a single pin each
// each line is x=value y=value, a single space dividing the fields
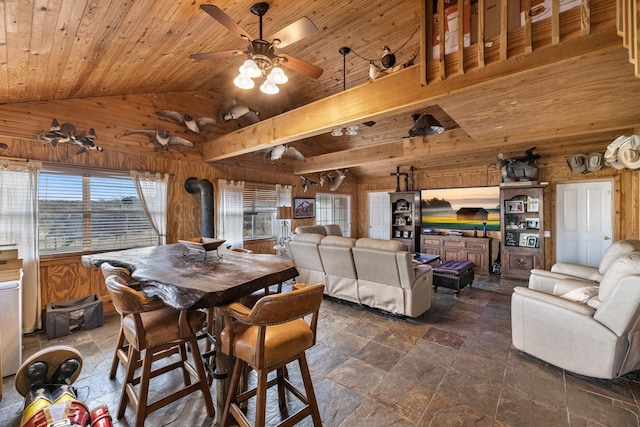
x=278 y=76
x=269 y=87
x=244 y=82
x=250 y=69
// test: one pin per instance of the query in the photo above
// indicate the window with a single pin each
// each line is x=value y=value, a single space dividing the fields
x=259 y=206
x=334 y=209
x=86 y=210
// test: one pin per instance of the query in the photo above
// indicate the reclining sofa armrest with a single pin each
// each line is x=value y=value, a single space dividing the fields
x=554 y=300
x=545 y=280
x=563 y=286
x=576 y=270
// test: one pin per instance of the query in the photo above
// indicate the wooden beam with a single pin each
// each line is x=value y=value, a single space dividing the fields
x=398 y=92
x=439 y=148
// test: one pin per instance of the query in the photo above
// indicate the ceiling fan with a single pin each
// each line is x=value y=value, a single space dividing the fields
x=260 y=53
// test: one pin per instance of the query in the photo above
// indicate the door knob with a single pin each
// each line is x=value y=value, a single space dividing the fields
x=607 y=238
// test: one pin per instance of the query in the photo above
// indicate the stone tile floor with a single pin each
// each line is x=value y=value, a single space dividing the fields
x=454 y=366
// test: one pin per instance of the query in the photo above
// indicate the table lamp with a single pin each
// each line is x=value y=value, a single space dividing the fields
x=284 y=213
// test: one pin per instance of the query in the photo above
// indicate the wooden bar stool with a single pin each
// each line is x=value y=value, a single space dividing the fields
x=122 y=346
x=266 y=338
x=152 y=335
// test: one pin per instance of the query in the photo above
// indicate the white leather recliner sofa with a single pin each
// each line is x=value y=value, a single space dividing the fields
x=340 y=271
x=303 y=250
x=373 y=272
x=592 y=331
x=388 y=280
x=580 y=275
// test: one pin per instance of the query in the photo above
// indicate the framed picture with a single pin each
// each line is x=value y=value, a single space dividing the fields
x=514 y=206
x=532 y=222
x=532 y=242
x=528 y=240
x=511 y=238
x=533 y=205
x=406 y=234
x=304 y=208
x=397 y=233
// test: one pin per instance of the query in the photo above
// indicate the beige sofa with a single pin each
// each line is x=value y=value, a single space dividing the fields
x=373 y=272
x=325 y=230
x=593 y=331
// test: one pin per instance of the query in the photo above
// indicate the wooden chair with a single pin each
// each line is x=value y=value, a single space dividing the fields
x=122 y=346
x=266 y=338
x=154 y=334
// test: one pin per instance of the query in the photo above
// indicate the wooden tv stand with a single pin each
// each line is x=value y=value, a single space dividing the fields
x=461 y=248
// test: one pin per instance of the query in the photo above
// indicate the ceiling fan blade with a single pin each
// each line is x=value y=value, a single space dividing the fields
x=217 y=55
x=301 y=66
x=298 y=30
x=217 y=14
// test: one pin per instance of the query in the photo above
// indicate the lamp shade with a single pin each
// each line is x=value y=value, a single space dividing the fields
x=284 y=212
x=269 y=87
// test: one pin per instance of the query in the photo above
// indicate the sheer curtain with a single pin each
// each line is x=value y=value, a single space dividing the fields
x=152 y=189
x=231 y=214
x=18 y=226
x=284 y=199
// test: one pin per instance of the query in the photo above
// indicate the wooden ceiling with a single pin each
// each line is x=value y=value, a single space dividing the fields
x=570 y=102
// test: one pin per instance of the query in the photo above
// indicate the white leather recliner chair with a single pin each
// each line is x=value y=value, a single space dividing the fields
x=595 y=334
x=582 y=275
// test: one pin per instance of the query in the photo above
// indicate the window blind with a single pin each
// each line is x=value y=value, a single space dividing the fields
x=80 y=210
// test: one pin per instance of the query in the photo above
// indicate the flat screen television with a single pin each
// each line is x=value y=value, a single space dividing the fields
x=461 y=209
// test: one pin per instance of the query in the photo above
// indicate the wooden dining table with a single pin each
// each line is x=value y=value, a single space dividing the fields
x=185 y=279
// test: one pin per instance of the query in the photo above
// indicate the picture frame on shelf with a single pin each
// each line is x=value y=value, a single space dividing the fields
x=304 y=208
x=533 y=205
x=514 y=206
x=511 y=238
x=397 y=234
x=406 y=234
x=532 y=242
x=528 y=239
x=532 y=222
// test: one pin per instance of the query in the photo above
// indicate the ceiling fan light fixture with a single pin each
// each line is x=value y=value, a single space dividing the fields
x=244 y=82
x=336 y=132
x=250 y=69
x=277 y=76
x=269 y=87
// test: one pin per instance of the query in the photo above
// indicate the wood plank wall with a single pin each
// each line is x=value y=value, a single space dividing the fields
x=626 y=197
x=64 y=277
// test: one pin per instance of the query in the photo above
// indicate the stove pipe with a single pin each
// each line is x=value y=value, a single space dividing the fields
x=205 y=188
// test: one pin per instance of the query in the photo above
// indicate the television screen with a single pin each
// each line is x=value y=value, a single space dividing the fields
x=461 y=208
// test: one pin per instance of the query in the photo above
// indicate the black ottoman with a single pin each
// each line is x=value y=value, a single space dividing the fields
x=453 y=275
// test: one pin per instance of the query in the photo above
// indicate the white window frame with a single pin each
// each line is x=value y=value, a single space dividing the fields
x=332 y=208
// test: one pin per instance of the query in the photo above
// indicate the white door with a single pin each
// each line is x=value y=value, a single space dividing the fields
x=584 y=221
x=379 y=215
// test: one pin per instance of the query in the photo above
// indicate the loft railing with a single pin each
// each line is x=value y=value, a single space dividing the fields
x=628 y=26
x=503 y=29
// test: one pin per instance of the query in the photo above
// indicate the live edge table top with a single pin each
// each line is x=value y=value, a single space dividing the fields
x=185 y=278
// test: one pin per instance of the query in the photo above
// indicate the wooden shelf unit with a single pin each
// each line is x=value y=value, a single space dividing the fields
x=405 y=218
x=522 y=229
x=461 y=248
